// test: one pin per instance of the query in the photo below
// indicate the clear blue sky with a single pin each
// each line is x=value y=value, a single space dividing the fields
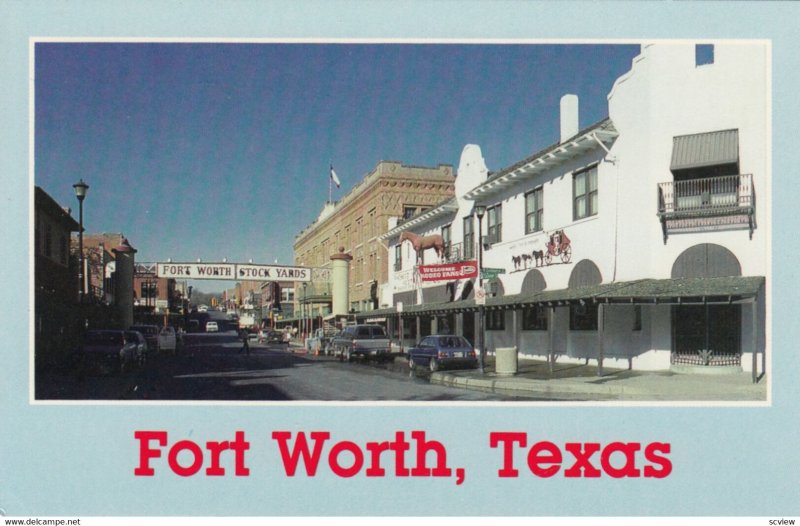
x=221 y=150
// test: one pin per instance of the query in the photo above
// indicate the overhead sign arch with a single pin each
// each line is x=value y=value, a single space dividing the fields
x=232 y=271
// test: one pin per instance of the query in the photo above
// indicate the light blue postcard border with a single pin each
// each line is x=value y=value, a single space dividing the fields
x=76 y=460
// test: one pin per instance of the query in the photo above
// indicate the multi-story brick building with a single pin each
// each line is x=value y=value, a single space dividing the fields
x=392 y=190
x=99 y=262
x=152 y=293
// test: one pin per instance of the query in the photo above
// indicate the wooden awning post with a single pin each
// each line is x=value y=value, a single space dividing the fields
x=754 y=317
x=551 y=324
x=600 y=350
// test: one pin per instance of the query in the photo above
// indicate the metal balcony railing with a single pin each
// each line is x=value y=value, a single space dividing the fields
x=707 y=198
x=454 y=252
x=313 y=290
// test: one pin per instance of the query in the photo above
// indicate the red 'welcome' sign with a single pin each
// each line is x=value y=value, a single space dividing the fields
x=449 y=271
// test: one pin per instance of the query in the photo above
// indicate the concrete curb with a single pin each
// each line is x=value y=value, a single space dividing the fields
x=550 y=388
x=638 y=388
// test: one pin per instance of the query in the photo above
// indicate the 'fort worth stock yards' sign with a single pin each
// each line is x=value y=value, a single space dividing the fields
x=232 y=271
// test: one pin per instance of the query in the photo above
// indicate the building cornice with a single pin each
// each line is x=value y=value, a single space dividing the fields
x=384 y=171
x=447 y=207
x=594 y=137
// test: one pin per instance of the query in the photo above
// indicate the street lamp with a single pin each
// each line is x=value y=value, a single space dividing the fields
x=80 y=192
x=480 y=210
x=303 y=310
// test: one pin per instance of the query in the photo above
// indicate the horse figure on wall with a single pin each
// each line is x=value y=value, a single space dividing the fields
x=421 y=243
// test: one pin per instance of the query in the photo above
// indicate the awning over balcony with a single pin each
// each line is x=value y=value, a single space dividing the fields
x=705 y=149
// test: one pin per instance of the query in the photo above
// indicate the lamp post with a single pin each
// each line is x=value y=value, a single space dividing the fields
x=480 y=210
x=80 y=192
x=305 y=307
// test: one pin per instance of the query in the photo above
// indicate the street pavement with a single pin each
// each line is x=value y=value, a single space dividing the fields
x=534 y=381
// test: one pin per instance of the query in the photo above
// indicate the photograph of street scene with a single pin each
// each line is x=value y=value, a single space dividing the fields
x=364 y=222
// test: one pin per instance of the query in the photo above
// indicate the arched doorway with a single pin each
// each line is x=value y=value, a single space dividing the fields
x=584 y=317
x=706 y=334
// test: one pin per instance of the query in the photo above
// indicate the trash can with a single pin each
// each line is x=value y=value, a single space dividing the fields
x=506 y=361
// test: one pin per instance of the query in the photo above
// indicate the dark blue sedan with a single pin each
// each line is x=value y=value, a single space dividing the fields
x=442 y=350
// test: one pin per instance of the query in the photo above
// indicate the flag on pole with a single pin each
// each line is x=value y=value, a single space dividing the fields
x=334 y=178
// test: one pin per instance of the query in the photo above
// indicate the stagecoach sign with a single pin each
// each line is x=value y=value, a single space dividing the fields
x=232 y=271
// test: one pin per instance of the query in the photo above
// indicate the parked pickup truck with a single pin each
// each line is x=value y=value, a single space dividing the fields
x=365 y=341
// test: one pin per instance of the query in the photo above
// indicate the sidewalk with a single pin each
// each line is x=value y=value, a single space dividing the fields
x=578 y=382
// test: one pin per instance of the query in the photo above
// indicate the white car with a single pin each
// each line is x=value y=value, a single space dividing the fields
x=212 y=326
x=167 y=340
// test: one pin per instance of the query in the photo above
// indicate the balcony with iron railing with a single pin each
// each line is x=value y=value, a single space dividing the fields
x=314 y=292
x=454 y=252
x=709 y=203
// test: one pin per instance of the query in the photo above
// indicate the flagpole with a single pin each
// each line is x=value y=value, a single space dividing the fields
x=330 y=183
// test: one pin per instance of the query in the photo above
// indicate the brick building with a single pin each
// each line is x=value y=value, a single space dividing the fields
x=391 y=190
x=99 y=262
x=154 y=294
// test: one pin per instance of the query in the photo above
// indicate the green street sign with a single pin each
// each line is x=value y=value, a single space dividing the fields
x=491 y=273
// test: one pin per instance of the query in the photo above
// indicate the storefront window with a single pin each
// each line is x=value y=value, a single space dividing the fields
x=583 y=318
x=534 y=319
x=495 y=320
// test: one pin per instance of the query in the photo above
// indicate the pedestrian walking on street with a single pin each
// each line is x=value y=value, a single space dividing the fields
x=245 y=343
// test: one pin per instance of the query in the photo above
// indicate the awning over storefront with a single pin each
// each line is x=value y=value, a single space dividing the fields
x=682 y=290
x=705 y=149
x=638 y=292
x=648 y=291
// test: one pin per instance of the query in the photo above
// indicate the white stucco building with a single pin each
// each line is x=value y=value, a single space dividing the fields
x=663 y=214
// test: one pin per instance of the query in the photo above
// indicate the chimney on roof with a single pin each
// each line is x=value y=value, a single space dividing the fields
x=569 y=116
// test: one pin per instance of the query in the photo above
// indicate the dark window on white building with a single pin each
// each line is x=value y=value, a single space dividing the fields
x=494 y=221
x=584 y=192
x=446 y=234
x=534 y=209
x=469 y=238
x=703 y=54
